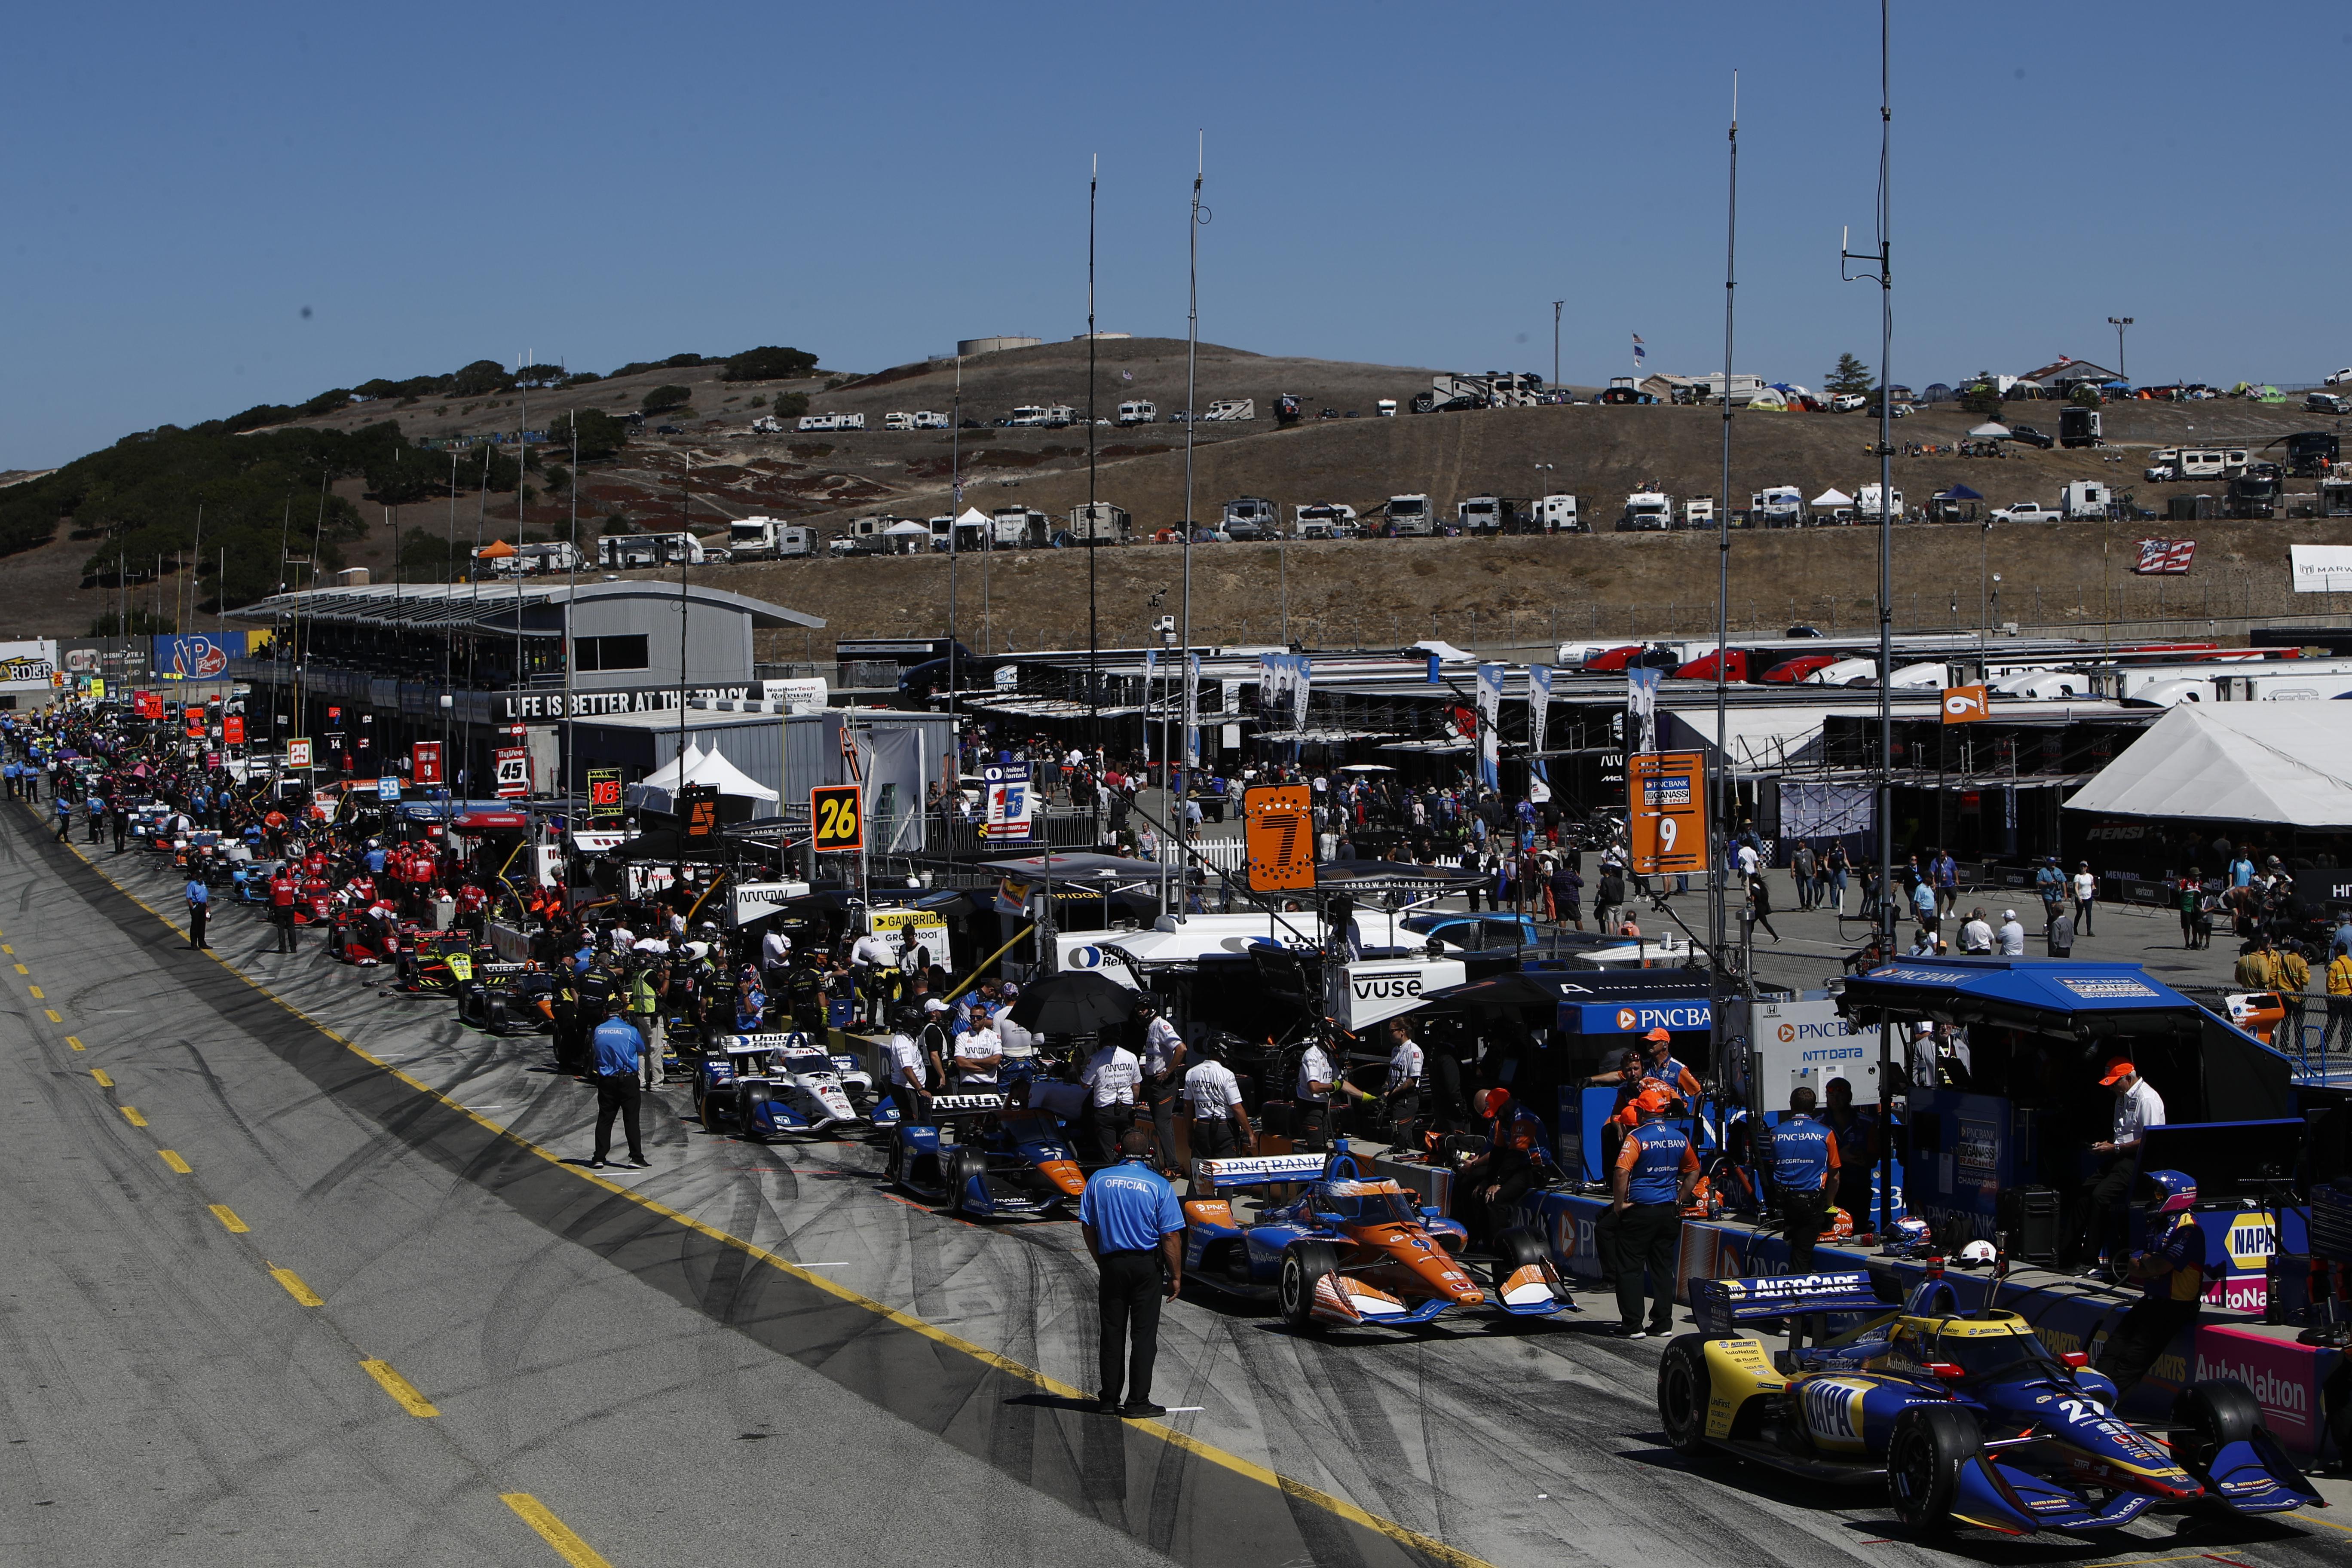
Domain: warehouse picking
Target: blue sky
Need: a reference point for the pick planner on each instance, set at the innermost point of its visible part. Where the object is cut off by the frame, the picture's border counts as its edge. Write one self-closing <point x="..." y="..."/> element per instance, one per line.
<point x="1405" y="183"/>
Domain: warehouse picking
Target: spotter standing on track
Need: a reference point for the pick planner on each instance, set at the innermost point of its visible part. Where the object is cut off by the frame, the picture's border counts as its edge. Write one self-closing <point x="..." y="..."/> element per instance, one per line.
<point x="1135" y="1231"/>
<point x="618" y="1048"/>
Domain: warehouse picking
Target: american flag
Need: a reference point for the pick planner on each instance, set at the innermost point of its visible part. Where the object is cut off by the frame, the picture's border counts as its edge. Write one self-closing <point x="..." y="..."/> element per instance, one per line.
<point x="1640" y="354"/>
<point x="2165" y="557"/>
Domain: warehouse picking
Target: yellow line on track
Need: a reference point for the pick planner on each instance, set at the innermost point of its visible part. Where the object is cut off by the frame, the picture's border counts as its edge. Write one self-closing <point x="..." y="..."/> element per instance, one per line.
<point x="171" y="1157"/>
<point x="1403" y="1535"/>
<point x="403" y="1391"/>
<point x="55" y="1017"/>
<point x="103" y="1081"/>
<point x="75" y="1041"/>
<point x="130" y="1113"/>
<point x="554" y="1531"/>
<point x="230" y="1222"/>
<point x="301" y="1293"/>
<point x="36" y="990"/>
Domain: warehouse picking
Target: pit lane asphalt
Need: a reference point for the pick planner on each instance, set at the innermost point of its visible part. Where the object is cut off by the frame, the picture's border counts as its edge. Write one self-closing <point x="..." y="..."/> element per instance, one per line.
<point x="636" y="1355"/>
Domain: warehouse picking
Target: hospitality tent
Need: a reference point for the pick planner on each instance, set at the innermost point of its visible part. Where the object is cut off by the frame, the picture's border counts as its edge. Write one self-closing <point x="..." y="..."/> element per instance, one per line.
<point x="2283" y="763"/>
<point x="656" y="790"/>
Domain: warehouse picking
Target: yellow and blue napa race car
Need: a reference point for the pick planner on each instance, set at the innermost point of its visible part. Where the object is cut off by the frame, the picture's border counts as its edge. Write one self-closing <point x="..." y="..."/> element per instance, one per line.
<point x="1970" y="1419"/>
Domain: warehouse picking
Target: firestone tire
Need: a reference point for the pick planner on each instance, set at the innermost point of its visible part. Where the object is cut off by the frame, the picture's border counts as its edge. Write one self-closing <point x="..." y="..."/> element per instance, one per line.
<point x="1304" y="1267"/>
<point x="1923" y="1456"/>
<point x="1683" y="1390"/>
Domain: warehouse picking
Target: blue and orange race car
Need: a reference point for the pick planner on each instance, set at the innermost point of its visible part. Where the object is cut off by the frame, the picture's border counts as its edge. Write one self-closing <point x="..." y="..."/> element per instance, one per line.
<point x="987" y="1156"/>
<point x="1969" y="1420"/>
<point x="1349" y="1249"/>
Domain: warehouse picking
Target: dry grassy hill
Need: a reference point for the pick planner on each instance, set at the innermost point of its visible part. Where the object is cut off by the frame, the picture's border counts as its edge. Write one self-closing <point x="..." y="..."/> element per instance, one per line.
<point x="1378" y="591"/>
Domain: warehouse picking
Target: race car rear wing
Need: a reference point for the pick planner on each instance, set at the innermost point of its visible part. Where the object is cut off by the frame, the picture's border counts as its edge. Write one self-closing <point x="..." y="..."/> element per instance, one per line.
<point x="790" y="1041"/>
<point x="1720" y="1306"/>
<point x="1254" y="1171"/>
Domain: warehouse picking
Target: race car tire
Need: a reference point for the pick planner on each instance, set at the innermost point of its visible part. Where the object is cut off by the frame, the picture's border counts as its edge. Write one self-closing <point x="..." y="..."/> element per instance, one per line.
<point x="1924" y="1453"/>
<point x="1683" y="1393"/>
<point x="2216" y="1411"/>
<point x="1304" y="1265"/>
<point x="894" y="1165"/>
<point x="958" y="1168"/>
<point x="1515" y="1249"/>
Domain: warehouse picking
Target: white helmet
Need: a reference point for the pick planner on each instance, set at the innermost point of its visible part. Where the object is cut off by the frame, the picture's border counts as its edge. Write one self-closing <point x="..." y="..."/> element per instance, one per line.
<point x="1976" y="1252"/>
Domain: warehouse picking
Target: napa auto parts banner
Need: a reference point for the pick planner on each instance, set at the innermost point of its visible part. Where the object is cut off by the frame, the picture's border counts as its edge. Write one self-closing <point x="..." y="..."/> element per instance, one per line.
<point x="28" y="666"/>
<point x="194" y="656"/>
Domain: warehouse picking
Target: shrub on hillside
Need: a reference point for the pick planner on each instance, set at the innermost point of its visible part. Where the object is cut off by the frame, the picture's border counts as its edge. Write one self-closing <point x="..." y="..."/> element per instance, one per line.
<point x="665" y="397"/>
<point x="769" y="364"/>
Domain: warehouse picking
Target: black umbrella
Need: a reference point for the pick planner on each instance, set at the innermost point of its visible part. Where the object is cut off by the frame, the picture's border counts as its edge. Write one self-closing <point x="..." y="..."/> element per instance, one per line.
<point x="1074" y="1001"/>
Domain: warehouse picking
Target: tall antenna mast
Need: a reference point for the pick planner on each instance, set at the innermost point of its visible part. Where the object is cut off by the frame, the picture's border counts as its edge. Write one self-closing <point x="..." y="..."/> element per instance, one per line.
<point x="1192" y="416"/>
<point x="1718" y="892"/>
<point x="1094" y="540"/>
<point x="1882" y="918"/>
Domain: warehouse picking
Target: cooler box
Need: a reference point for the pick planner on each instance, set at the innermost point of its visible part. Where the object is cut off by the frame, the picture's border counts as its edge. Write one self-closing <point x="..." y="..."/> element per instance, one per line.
<point x="444" y="913"/>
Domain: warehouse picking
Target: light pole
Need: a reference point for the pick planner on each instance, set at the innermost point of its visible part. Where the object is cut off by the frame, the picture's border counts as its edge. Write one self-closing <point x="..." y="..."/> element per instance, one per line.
<point x="2119" y="323"/>
<point x="1556" y="304"/>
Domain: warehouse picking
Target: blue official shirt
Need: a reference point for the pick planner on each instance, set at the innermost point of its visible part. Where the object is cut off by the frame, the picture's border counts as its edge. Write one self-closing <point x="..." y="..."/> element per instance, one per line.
<point x="1130" y="1207"/>
<point x="197" y="892"/>
<point x="1800" y="1152"/>
<point x="617" y="1046"/>
<point x="375" y="859"/>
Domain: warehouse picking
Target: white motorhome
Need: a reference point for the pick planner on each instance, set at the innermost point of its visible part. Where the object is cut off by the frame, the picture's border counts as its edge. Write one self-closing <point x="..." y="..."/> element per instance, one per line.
<point x="2086" y="499"/>
<point x="1647" y="512"/>
<point x="766" y="425"/>
<point x="1136" y="411"/>
<point x="1020" y="528"/>
<point x="1248" y="518"/>
<point x="1866" y="504"/>
<point x="2195" y="463"/>
<point x="1410" y="516"/>
<point x="1323" y="520"/>
<point x="1479" y="514"/>
<point x="897" y="421"/>
<point x="1059" y="416"/>
<point x="927" y="419"/>
<point x="1099" y="522"/>
<point x="753" y="538"/>
<point x="864" y="536"/>
<point x="1779" y="506"/>
<point x="1231" y="411"/>
<point x="1385" y="407"/>
<point x="1557" y="514"/>
<point x="530" y="560"/>
<point x="627" y="552"/>
<point x="1699" y="513"/>
<point x="1028" y="414"/>
<point x="812" y="423"/>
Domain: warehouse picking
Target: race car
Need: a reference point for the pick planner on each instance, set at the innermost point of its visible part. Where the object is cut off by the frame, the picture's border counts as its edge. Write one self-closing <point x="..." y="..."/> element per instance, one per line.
<point x="1348" y="1250"/>
<point x="1969" y="1420"/>
<point x="767" y="1085"/>
<point x="502" y="998"/>
<point x="987" y="1156"/>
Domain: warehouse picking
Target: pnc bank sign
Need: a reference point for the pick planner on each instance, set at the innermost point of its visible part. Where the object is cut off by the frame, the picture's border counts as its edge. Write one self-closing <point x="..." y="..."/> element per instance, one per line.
<point x="1641" y="1018"/>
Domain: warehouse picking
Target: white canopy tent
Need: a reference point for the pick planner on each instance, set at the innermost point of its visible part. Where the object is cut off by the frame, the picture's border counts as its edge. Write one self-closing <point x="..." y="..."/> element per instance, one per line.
<point x="1990" y="430"/>
<point x="656" y="790"/>
<point x="1832" y="497"/>
<point x="2286" y="764"/>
